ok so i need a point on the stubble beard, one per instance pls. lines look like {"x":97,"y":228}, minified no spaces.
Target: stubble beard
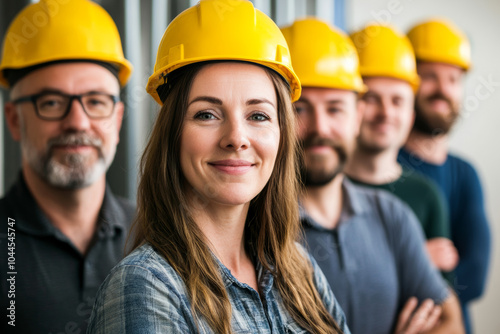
{"x":319,"y":175}
{"x":432,"y":123}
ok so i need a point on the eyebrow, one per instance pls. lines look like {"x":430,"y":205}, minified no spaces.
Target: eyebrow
{"x":217,"y":101}
{"x":334,"y":102}
{"x":329,"y":102}
{"x":371,"y":93}
{"x":51,"y":91}
{"x":209,"y":99}
{"x":303,"y":100}
{"x":259,"y":101}
{"x":58,"y":91}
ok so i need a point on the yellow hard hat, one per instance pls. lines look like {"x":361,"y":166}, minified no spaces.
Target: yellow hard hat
{"x":323,"y":56}
{"x":50,"y":31}
{"x":222,"y":30}
{"x":440,"y":41}
{"x":385,"y":52}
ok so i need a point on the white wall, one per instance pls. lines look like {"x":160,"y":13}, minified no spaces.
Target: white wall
{"x":477,"y":133}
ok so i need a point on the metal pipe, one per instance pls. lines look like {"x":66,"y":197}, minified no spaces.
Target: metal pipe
{"x":133,"y":90}
{"x":325,"y":10}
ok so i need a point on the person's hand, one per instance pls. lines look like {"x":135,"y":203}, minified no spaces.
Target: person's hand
{"x":413,"y":320}
{"x":443,"y":253}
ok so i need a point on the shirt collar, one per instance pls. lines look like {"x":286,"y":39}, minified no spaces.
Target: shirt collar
{"x":353,"y":205}
{"x":111,"y":216}
{"x":265,"y":278}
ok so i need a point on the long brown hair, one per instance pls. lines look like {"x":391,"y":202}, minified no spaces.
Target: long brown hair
{"x":272,"y":224}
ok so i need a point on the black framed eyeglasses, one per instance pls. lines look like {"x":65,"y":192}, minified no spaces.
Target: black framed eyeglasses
{"x":54,"y":106}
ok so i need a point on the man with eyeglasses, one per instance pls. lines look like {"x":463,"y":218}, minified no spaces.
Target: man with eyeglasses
{"x":64,"y":228}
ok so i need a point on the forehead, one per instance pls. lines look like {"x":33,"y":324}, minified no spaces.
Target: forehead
{"x":434,"y":67}
{"x":316,"y":95}
{"x":70,"y":78}
{"x":387,"y":86}
{"x":231,"y":80}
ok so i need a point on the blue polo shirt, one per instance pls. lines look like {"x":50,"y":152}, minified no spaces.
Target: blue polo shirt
{"x":374,"y":259}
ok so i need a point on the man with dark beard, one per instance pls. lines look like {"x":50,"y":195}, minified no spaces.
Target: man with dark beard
{"x":388,"y":68}
{"x":65,"y":228}
{"x":443,"y":57}
{"x":367,"y":242}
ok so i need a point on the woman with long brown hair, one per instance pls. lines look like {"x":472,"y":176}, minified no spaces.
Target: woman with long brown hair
{"x":215,"y":237}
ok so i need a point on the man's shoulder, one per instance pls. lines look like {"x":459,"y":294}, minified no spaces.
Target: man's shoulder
{"x":380,"y":205}
{"x":16,"y":200}
{"x":126,"y":205}
{"x":461,"y":165}
{"x":118,"y":209}
{"x":3,"y":203}
{"x":385,"y":212}
{"x":376,"y":198}
{"x":6,"y":211}
{"x":418,"y":184}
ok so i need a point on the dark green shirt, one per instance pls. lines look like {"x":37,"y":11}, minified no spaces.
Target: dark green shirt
{"x":425,"y":199}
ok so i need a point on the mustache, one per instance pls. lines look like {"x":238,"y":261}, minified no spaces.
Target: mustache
{"x":75,"y":138}
{"x":318,"y":141}
{"x":439,"y":96}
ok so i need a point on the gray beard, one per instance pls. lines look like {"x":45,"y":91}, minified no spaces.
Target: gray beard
{"x":74,"y":172}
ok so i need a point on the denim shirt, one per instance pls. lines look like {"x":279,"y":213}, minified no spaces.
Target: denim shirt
{"x":144,"y":294}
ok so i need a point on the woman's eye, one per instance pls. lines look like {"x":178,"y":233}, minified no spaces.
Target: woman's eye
{"x":204,"y":116}
{"x":259,"y":117}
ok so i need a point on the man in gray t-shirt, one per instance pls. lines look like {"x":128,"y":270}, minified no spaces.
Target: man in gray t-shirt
{"x":373,"y":261}
{"x":368,"y":243}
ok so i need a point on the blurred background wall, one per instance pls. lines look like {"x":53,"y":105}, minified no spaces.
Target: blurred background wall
{"x":142,"y":22}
